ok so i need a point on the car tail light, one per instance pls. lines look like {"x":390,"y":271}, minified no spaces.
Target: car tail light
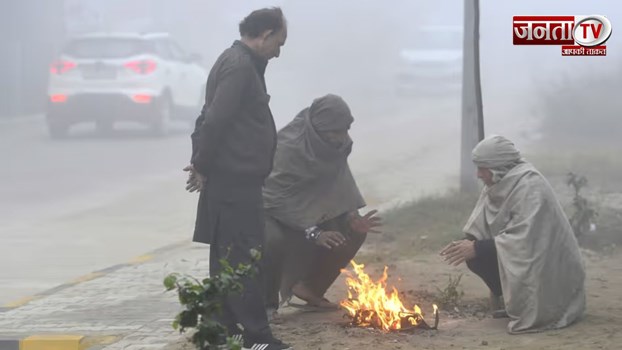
{"x":140,"y":98}
{"x":142,"y":66}
{"x":58,"y":98}
{"x":61,"y":67}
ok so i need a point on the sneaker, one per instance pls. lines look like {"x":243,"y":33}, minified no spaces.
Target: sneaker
{"x":274,"y":344}
{"x":222,"y":345}
{"x":238,"y":337}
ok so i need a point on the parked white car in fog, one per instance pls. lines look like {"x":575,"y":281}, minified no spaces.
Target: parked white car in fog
{"x":109,"y":77}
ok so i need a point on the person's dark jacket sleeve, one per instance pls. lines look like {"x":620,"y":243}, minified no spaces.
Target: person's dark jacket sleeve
{"x":215,"y":117}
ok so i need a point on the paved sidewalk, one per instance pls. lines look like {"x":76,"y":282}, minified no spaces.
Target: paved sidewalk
{"x":121,"y":308}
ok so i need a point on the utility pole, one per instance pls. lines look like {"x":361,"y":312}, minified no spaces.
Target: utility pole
{"x":472,"y":111}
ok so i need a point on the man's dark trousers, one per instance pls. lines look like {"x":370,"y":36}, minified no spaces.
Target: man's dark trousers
{"x":486,"y":266}
{"x":235,"y":212}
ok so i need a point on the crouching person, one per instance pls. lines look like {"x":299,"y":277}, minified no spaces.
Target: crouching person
{"x":519,"y":241}
{"x":313,"y":228}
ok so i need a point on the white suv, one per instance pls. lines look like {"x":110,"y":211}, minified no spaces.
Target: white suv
{"x":108,"y":77}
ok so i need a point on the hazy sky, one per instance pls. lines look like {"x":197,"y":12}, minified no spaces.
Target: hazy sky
{"x":353,"y":36}
{"x":350,"y":47}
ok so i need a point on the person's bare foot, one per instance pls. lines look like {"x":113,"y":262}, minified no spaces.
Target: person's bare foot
{"x":302,"y":292}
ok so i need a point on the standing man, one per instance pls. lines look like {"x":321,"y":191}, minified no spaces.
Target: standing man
{"x":233,"y":147}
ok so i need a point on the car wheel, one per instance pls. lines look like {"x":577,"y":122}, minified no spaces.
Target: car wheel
{"x":161,"y":126}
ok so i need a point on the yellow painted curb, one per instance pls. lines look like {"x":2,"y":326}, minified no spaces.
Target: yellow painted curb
{"x":87,"y":277}
{"x":51,"y":342}
{"x":20,"y":302}
{"x":141,"y":259}
{"x":93,"y":275}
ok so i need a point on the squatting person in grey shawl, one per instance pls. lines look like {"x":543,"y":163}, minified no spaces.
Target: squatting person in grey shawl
{"x":519,"y":241}
{"x":313,"y":228}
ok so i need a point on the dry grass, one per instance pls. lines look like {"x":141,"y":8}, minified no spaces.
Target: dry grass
{"x":420,"y":226}
{"x":427,"y":224}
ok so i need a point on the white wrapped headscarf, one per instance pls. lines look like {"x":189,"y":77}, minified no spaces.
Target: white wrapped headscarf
{"x":498,"y":154}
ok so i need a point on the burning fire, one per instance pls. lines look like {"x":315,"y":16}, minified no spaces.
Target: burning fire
{"x":369,"y":304}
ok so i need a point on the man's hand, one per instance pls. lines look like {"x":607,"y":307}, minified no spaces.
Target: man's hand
{"x":195,"y":180}
{"x":366,"y":223}
{"x":457,"y":252}
{"x":330,"y":239}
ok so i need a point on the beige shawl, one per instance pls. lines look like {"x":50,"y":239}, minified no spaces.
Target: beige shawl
{"x":540,"y":265}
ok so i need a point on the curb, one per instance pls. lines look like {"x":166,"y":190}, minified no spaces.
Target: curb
{"x":56,"y":342}
{"x":88,"y":277}
{"x":73,"y":341}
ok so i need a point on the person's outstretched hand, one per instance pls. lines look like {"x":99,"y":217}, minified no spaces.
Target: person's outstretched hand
{"x":366,"y":223}
{"x":457,"y":252}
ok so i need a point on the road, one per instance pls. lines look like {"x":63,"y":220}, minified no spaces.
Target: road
{"x":73,"y":206}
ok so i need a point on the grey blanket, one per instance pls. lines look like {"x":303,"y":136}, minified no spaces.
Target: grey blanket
{"x":311,"y":181}
{"x":540,"y":265}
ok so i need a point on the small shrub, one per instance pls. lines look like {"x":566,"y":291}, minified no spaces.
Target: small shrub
{"x":203,"y":301}
{"x":584,"y":213}
{"x":451,"y":295}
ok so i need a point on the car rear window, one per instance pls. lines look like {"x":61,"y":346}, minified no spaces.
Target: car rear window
{"x":108,"y":48}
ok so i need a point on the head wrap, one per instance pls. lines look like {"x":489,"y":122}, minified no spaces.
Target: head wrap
{"x":330,"y":113}
{"x":498,"y":154}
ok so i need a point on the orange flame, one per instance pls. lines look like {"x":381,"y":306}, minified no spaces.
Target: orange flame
{"x":370,"y":304}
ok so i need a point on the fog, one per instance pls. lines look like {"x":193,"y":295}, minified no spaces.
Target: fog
{"x":72,"y":206}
